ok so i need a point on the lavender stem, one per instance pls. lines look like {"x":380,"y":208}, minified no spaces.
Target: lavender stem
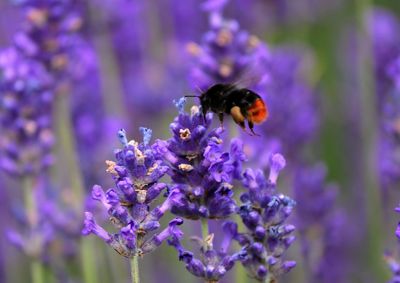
{"x":66,"y":151}
{"x":135,"y":269}
{"x":37,"y":270}
{"x":369,"y":137}
{"x":204,"y":228}
{"x":111,"y":88}
{"x":204,"y":234}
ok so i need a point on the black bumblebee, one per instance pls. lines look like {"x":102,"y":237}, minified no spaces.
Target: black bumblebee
{"x":241,"y":103}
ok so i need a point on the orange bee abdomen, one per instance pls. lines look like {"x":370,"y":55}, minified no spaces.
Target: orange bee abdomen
{"x":258,"y":112}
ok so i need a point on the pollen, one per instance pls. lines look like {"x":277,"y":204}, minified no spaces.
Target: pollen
{"x":30,"y":128}
{"x":46,"y":136}
{"x":225,"y":69}
{"x":76,"y":24}
{"x":59,"y":62}
{"x":141,"y":196}
{"x":111,"y":167}
{"x":133,"y":143}
{"x":139,"y":156}
{"x":37,"y":16}
{"x":208,"y":241}
{"x":151,"y":169}
{"x":193,"y":49}
{"x":224,"y":37}
{"x":217,"y":140}
{"x":396,"y":125}
{"x":227,"y":185}
{"x":184,"y":134}
{"x":194,"y":110}
{"x":185,"y":167}
{"x":253,"y":42}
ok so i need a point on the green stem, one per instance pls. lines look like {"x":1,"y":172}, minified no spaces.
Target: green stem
{"x":37,"y":271}
{"x":369,"y":128}
{"x":204,"y":233}
{"x":111,"y":86}
{"x":86,"y":252}
{"x":135,"y":269}
{"x":70,"y":174}
{"x":204,"y":228}
{"x":29,"y":187}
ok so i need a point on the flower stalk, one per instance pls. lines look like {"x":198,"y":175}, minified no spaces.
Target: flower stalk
{"x":204,"y":228}
{"x":37,"y":269}
{"x":135,"y":269}
{"x":66,"y":151}
{"x":369,"y":137}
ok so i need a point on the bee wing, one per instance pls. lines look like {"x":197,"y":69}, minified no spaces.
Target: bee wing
{"x":254,"y":74}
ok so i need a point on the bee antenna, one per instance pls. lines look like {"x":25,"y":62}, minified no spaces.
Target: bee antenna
{"x":192,"y":96}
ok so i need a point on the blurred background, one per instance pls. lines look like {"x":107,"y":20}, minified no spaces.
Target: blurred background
{"x":329,"y":71}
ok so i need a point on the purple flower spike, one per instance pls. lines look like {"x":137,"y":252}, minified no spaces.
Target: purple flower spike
{"x":392,"y":261}
{"x":91,"y":227}
{"x":264,"y":214}
{"x":277,"y":163}
{"x":201,"y":170}
{"x":26,"y":98}
{"x":136,"y":173}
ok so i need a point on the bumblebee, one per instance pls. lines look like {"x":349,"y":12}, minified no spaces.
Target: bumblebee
{"x":241,"y":103}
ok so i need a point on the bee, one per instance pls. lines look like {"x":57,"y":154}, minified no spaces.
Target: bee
{"x":241,"y":103}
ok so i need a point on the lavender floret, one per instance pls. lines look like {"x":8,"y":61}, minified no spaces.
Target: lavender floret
{"x":264,"y":212}
{"x":25,"y":114}
{"x":199,"y":167}
{"x":136,"y":173}
{"x":213,"y":264}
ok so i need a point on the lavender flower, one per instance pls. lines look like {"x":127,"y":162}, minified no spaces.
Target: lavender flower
{"x":264,"y":213}
{"x":25,"y":114}
{"x":386,"y":44}
{"x":35,"y":242}
{"x":227,"y":53}
{"x":292,"y":104}
{"x":199,"y":167}
{"x":136,"y":174}
{"x":51,"y":33}
{"x":214,"y":264}
{"x":315,"y":200}
{"x":391,"y":259}
{"x":318,"y":216}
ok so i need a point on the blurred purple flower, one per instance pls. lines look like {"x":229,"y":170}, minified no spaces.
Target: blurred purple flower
{"x":51,"y":33}
{"x":386,"y":43}
{"x":321,"y":223}
{"x":25,"y":114}
{"x":227,"y":54}
{"x":391,"y":259}
{"x":53,"y":224}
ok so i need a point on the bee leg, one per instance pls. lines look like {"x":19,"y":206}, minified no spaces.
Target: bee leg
{"x":221,"y":119}
{"x":238,"y":117}
{"x":204,"y":110}
{"x":251,"y":127}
